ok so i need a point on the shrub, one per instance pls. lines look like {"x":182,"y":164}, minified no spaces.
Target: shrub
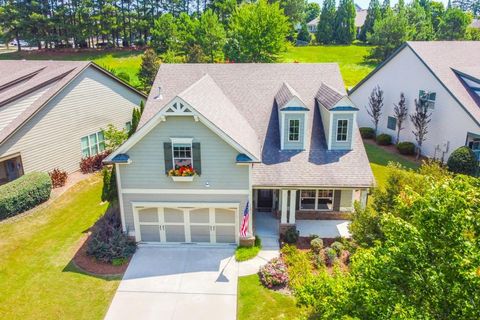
{"x":331,"y":256}
{"x":124,"y":76}
{"x":367,"y":133}
{"x":107,"y":242}
{"x":463,"y":161}
{"x":338,"y":247}
{"x":109,"y":191}
{"x":384,"y":139}
{"x":291,"y":235}
{"x":316,"y":244}
{"x":58,"y":177}
{"x":24,"y":193}
{"x":274,"y":274}
{"x":406,"y":148}
{"x":93,"y":163}
{"x":319,"y":259}
{"x":299,"y":265}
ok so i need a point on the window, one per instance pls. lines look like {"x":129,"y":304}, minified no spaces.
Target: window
{"x":92,"y":144}
{"x":294,"y":130}
{"x":342,"y":130}
{"x":182,"y":155}
{"x":319,"y":200}
{"x":128,"y":126}
{"x":392,"y":123}
{"x":430,"y":96}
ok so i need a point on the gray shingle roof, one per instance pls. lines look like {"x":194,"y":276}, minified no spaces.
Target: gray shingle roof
{"x":251,"y":89}
{"x":444,"y":57}
{"x":285,"y":94}
{"x":327,"y":96}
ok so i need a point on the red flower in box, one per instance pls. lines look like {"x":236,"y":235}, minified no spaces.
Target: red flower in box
{"x":184,"y":171}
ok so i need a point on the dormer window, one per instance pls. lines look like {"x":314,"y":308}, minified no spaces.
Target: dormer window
{"x":294,"y":130}
{"x":342,"y":130}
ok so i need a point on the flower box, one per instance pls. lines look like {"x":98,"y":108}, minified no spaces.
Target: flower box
{"x":182,"y":179}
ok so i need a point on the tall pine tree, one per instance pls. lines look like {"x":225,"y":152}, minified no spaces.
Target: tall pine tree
{"x":326,"y":25}
{"x":345,"y":22}
{"x":374,"y":13}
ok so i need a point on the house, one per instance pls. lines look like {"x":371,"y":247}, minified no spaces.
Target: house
{"x":312,"y":25}
{"x":52,"y":114}
{"x":450,"y":72}
{"x":276,"y":138}
{"x":360,"y":16}
{"x":475,"y":24}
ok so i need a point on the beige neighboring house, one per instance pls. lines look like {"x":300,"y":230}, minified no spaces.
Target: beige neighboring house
{"x":475,"y":24}
{"x":52,"y":114}
{"x":361,"y":15}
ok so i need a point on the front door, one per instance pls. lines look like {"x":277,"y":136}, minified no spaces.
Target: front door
{"x":265,"y":198}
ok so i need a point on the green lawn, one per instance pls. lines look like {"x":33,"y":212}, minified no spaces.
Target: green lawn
{"x":350,"y":58}
{"x":379,"y":160}
{"x":257,"y":302}
{"x":127,"y":61}
{"x":37,"y":279}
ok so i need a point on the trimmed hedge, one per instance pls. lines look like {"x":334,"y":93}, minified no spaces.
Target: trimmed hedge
{"x":24,"y":193}
{"x":367,"y":132}
{"x":406,"y":148}
{"x":462,"y":161}
{"x":384,"y":139}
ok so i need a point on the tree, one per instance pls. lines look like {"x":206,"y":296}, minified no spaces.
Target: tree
{"x":326,"y":25}
{"x":293,"y":9}
{"x":148,"y":69}
{"x":420,"y":119}
{"x":463,"y":161}
{"x":312,"y":11}
{"x":303,"y":34}
{"x":114,"y":137}
{"x":386,"y":7}
{"x":165,"y":34}
{"x":401,"y":112}
{"x":454,"y":25}
{"x":437,"y":10}
{"x":374,"y":13}
{"x":345,"y":30}
{"x":375,"y":104}
{"x":257,"y":32}
{"x":136,"y":116}
{"x":223,"y":9}
{"x":211,"y":36}
{"x":419,"y":23}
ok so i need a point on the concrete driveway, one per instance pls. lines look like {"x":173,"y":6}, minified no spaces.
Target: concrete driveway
{"x":182,"y":282}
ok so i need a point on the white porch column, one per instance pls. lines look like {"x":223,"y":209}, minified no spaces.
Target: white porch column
{"x":363,"y":198}
{"x":250,"y":201}
{"x":293,"y":202}
{"x":284,"y":201}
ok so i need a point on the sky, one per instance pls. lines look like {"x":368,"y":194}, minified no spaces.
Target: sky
{"x":364,"y":3}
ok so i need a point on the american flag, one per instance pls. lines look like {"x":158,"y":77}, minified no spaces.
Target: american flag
{"x":244,"y":227}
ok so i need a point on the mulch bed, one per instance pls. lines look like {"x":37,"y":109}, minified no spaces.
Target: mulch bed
{"x":303,"y":243}
{"x":93,"y":266}
{"x":393,"y":149}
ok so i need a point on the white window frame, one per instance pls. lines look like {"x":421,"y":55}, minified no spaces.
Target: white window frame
{"x":346,"y":133}
{"x":183,"y":141}
{"x":290,"y":126}
{"x":316,"y":199}
{"x":91,"y":146}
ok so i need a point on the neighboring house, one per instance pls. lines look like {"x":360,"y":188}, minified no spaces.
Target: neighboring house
{"x":361,"y":15}
{"x":475,"y":24}
{"x":450,"y":72}
{"x":52,"y":114}
{"x":281,"y":137}
{"x":312,"y":25}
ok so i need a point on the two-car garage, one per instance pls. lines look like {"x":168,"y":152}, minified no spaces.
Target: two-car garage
{"x":186,"y":223}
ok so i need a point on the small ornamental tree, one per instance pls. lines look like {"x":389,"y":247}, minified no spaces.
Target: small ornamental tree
{"x":401,"y":112}
{"x":148,"y":69}
{"x":463,"y":161}
{"x":136,"y":115}
{"x":375,"y":104}
{"x":420,"y":119}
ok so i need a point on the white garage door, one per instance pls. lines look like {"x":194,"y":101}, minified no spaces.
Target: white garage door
{"x":186,"y":225}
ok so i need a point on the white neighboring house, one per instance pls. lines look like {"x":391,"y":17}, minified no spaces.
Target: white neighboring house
{"x":450,"y":71}
{"x":52,"y":114}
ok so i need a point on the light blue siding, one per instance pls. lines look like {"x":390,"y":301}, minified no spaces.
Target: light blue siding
{"x":294,"y":145}
{"x":219,"y":168}
{"x":342,"y":145}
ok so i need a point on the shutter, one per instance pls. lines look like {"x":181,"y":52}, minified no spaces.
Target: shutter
{"x":197,"y":158}
{"x":167,"y":154}
{"x":337,"y":194}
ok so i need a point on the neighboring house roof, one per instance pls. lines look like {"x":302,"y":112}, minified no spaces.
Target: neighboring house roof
{"x":475,"y":23}
{"x":360,"y":17}
{"x":444,"y":59}
{"x":314,"y":22}
{"x":26,"y":86}
{"x":328,"y":97}
{"x":251,"y":90}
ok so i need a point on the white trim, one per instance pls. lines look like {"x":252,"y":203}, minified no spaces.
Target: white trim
{"x":329,"y":143}
{"x":282,"y":133}
{"x":181,"y":140}
{"x":10,"y":156}
{"x":288,"y":131}
{"x":155,"y":120}
{"x":120,"y":197}
{"x":182,"y":178}
{"x":293,"y":204}
{"x":186,"y":191}
{"x":284,"y":206}
{"x":250,"y":200}
{"x":316,"y":199}
{"x":176,"y":204}
{"x":336,"y":133}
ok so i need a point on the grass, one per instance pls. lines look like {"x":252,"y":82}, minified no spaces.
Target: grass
{"x":247,"y":253}
{"x":37,"y":278}
{"x":127,"y":61}
{"x":379,"y":159}
{"x":257,"y":302}
{"x":350,"y":58}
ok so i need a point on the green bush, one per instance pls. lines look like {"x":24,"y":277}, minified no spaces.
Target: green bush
{"x":384,"y":139}
{"x":367,"y":133}
{"x":406,"y":148}
{"x":338,"y":247}
{"x":124,"y":76}
{"x":291,"y":235}
{"x":316,"y":244}
{"x":332,"y":256}
{"x":24,"y":193}
{"x":463,"y":161}
{"x":299,"y":265}
{"x":319,"y":259}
